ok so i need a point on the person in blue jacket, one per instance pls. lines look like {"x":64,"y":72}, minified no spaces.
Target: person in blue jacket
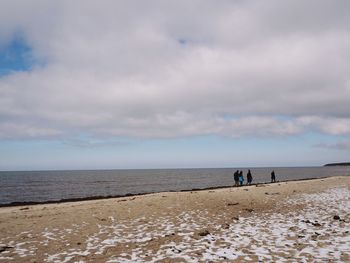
{"x":241,"y":178}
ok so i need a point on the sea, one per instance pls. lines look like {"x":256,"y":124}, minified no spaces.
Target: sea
{"x":17,"y":187}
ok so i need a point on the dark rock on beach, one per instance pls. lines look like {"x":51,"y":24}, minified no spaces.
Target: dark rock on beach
{"x":225,"y":226}
{"x":204,"y":233}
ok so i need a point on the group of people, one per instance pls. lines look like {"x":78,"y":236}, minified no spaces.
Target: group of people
{"x":239,"y":179}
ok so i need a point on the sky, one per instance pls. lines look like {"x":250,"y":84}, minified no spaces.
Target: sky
{"x":173,"y":84}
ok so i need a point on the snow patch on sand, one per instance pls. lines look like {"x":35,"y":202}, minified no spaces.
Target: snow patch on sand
{"x":314,"y":228}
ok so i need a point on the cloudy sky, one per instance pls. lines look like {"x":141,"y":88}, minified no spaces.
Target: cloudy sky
{"x":154,"y":84}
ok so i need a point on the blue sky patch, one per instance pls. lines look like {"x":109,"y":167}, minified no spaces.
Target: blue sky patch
{"x":182,"y":41}
{"x":15,"y":56}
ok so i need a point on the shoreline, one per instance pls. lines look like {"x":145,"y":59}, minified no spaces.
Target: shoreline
{"x":92,"y":198}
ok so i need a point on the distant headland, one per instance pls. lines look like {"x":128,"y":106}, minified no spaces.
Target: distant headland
{"x":337,"y":164}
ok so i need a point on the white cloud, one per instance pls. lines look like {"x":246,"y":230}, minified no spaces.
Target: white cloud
{"x":342,"y":145}
{"x":328,"y":125}
{"x":119,"y":68}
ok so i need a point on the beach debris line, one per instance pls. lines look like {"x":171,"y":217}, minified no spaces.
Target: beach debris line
{"x":4,"y":248}
{"x":232,"y":204}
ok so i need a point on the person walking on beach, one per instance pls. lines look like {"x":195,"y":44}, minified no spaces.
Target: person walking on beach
{"x":273,"y":177}
{"x":236,"y":178}
{"x":241,"y":178}
{"x":249,"y":178}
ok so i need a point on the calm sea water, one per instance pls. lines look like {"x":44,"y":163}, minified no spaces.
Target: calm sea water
{"x":41,"y":186}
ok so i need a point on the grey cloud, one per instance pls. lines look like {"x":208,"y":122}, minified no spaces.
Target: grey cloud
{"x":118,"y":68}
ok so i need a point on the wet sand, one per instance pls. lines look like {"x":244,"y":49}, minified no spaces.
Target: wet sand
{"x":299,"y":221}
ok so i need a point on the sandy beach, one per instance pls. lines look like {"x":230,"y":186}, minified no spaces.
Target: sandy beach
{"x":297,"y":221}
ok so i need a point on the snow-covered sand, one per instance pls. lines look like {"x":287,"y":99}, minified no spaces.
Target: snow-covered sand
{"x":305,"y":221}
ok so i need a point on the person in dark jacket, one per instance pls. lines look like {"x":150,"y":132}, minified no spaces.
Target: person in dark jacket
{"x":273,"y":177}
{"x":249,"y":178}
{"x":236,"y":178}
